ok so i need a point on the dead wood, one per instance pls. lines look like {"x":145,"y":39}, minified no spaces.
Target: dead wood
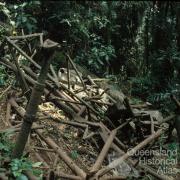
{"x":153,"y":172}
{"x":54,"y":74}
{"x":5,"y":91}
{"x":63,"y":155}
{"x":44,"y":149}
{"x":103,"y":152}
{"x":48,"y":49}
{"x":73,"y":65}
{"x":8,"y":114}
{"x":54,"y":146}
{"x":85,"y":114}
{"x":26,"y":36}
{"x":40,"y":159}
{"x":113,"y":178}
{"x":106,"y":131}
{"x":67,"y":176}
{"x":24,"y":83}
{"x":118,"y":161}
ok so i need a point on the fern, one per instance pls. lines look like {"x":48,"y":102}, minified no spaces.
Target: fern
{"x":158,"y":97}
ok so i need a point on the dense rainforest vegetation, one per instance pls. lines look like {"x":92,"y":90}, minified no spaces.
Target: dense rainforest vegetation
{"x":132,"y":44}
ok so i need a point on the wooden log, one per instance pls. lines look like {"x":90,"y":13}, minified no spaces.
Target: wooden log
{"x":17,"y":129}
{"x":30,"y":175}
{"x":67,"y":176}
{"x":54,"y":73}
{"x":25,"y":36}
{"x":152,"y":124}
{"x":106,"y":131}
{"x":86,"y":104}
{"x":153,"y":172}
{"x":124,"y":124}
{"x":3,"y":176}
{"x":25,"y":87}
{"x":133,"y":162}
{"x":8,"y":114}
{"x":113,"y":178}
{"x":53,"y":145}
{"x":103,"y":152}
{"x":69,"y":91}
{"x":82,"y":110}
{"x":63,"y":155}
{"x":56,"y":158}
{"x":129,"y":153}
{"x":68,"y":74}
{"x":5,"y":91}
{"x":47,"y":51}
{"x":101,"y":103}
{"x":73,"y":65}
{"x":43,"y":149}
{"x":73,"y":123}
{"x":23,"y":53}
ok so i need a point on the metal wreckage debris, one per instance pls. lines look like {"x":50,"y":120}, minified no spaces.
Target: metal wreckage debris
{"x":79,"y":128}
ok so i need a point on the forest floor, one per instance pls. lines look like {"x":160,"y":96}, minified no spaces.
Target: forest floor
{"x":70,"y":139}
{"x":85,"y":131}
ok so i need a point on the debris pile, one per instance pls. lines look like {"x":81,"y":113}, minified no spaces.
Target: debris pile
{"x":82,"y":131}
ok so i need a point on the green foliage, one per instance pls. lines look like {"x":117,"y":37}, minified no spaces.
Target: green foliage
{"x":98,"y":58}
{"x":17,"y":167}
{"x":85,"y":32}
{"x":6,"y":23}
{"x":3,"y":76}
{"x":5,"y":145}
{"x":22,"y":15}
{"x":165,"y":66}
{"x":74,"y":154}
{"x":142,"y":86}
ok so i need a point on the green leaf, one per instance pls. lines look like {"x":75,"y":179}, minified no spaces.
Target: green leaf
{"x":37,"y":172}
{"x":15,"y":6}
{"x":24,"y":19}
{"x":102,"y":54}
{"x":74,"y":154}
{"x":22,"y":177}
{"x":37,"y":164}
{"x":17,"y":173}
{"x":100,"y":62}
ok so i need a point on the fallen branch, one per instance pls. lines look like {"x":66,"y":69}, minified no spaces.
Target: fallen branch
{"x":77,"y":72}
{"x":67,"y":176}
{"x":153,"y":172}
{"x":63,"y":155}
{"x":8,"y":114}
{"x":25,"y":36}
{"x":53,"y":145}
{"x":118,"y":161}
{"x":5,"y":91}
{"x":104,"y":152}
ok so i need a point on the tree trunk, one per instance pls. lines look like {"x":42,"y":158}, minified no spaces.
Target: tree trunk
{"x":48,"y":49}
